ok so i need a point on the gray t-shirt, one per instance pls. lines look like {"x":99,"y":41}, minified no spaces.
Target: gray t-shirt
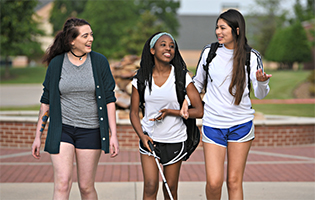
{"x":77,"y":94}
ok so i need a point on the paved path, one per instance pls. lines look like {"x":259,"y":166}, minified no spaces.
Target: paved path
{"x":271,"y":173}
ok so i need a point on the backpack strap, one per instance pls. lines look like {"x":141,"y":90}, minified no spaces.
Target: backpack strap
{"x":211,"y":55}
{"x":247,"y":63}
{"x":180,"y":83}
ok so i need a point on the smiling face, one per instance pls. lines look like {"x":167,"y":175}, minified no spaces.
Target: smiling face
{"x":164,"y":49}
{"x":83,"y":43}
{"x":224,"y":34}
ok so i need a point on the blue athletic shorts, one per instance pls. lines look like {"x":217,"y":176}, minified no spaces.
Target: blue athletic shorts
{"x":81,"y":138}
{"x":221,"y":136}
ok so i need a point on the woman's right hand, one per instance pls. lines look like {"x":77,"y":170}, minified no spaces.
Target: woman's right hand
{"x":184,"y":111}
{"x":145,"y":139}
{"x":36,"y":148}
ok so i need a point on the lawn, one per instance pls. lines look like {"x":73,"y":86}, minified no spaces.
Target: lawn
{"x":282,"y":85}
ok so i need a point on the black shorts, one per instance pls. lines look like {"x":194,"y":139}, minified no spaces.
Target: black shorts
{"x":167,"y":153}
{"x":81,"y":138}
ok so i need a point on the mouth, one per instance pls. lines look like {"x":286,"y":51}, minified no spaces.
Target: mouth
{"x":88,"y":45}
{"x":168,"y":55}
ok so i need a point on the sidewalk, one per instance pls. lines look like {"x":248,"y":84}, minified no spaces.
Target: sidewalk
{"x":271,"y":173}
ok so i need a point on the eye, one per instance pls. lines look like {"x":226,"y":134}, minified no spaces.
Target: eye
{"x":163,"y":45}
{"x":172,"y":46}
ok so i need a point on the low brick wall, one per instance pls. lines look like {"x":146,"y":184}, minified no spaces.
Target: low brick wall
{"x":18,"y":134}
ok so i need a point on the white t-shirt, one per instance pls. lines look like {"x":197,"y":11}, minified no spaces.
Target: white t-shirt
{"x":219,"y":108}
{"x":172,"y":129}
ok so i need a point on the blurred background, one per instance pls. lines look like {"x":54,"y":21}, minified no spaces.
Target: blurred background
{"x":283,"y":31}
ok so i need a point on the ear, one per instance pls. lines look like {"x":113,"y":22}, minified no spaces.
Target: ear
{"x":238,"y":31}
{"x":152,"y":51}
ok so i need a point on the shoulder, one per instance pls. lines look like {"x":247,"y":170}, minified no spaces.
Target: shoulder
{"x":255,"y":53}
{"x":58,"y":58}
{"x":97,"y":56}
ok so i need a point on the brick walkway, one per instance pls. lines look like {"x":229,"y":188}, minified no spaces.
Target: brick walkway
{"x":281,"y":164}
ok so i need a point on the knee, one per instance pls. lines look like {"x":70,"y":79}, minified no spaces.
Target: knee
{"x":86,"y":189}
{"x":234,"y":183}
{"x":63,"y":185}
{"x":214,"y":185}
{"x":150,"y":188}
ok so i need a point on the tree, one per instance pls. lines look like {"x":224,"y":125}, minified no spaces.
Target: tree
{"x":304,"y":14}
{"x":113,"y":21}
{"x":136,"y":36}
{"x":18,"y":30}
{"x":110,"y":21}
{"x":164,"y":10}
{"x":62,"y":10}
{"x":265,"y":19}
{"x":289,"y":45}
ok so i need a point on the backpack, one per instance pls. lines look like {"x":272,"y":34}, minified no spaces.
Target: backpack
{"x":193,"y":132}
{"x":212,"y":53}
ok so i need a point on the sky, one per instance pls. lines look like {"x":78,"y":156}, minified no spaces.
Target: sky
{"x":214,"y":7}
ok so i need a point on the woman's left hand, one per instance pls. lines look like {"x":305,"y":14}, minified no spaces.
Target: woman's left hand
{"x":262,"y":76}
{"x":114,"y":146}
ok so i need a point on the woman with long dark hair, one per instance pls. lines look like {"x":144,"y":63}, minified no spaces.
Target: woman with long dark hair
{"x":162,"y":123}
{"x":228,"y":127}
{"x":78,"y":97}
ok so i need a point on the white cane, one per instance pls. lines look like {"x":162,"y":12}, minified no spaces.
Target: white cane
{"x":161,"y":172}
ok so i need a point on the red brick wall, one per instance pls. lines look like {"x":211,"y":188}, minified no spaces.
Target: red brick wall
{"x":21,"y":135}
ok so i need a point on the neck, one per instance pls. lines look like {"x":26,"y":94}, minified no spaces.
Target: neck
{"x":80,"y":57}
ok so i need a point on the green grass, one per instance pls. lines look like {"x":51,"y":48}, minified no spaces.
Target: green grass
{"x":24,"y":75}
{"x":299,"y":110}
{"x":282,"y":84}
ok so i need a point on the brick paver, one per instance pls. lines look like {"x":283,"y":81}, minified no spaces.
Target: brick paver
{"x":264,"y":164}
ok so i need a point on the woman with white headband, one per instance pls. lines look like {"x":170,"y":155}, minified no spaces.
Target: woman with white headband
{"x":162,"y":123}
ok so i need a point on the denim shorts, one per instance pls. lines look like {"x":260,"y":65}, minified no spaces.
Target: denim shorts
{"x":81,"y":138}
{"x":221,"y":136}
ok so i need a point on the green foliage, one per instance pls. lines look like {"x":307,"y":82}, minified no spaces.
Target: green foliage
{"x":289,"y":45}
{"x":164,"y":10}
{"x":62,"y":10}
{"x":114,"y":21}
{"x":18,"y":28}
{"x":136,"y":36}
{"x":304,"y":13}
{"x":265,"y":23}
{"x":110,"y":21}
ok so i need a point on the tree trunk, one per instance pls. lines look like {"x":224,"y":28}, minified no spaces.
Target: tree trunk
{"x":7,"y":68}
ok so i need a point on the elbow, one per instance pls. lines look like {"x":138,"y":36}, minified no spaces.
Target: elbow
{"x":200,"y":113}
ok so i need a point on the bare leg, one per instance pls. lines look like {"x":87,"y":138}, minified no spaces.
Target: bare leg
{"x":87,"y":160}
{"x":237,"y":155}
{"x":171,"y":173}
{"x":63,"y":169}
{"x":150,"y":176}
{"x":214,"y":160}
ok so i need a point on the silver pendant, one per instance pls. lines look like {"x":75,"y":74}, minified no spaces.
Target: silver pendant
{"x":80,"y":58}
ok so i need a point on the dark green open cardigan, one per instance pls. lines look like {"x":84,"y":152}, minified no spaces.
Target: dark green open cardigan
{"x":104,"y":91}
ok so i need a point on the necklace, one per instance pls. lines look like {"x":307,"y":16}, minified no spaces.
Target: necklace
{"x":80,"y":57}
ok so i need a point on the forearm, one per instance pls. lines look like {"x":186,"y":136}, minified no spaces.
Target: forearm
{"x":42,"y":120}
{"x":111,"y":113}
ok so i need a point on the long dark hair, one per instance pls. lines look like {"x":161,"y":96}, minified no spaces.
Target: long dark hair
{"x":147,"y":62}
{"x":236,"y":20}
{"x":64,"y":38}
